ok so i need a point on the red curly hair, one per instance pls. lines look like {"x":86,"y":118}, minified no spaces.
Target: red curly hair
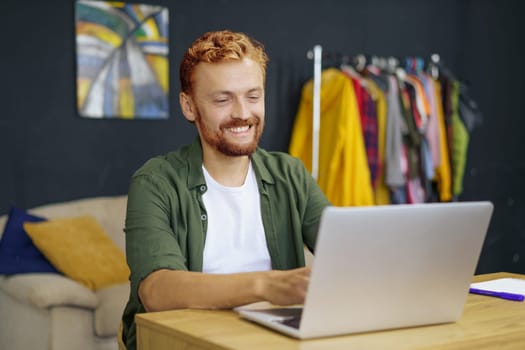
{"x":220,"y":46}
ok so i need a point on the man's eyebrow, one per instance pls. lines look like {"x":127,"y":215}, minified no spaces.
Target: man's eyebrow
{"x":218,"y":93}
{"x":256,"y":90}
{"x":228,"y":92}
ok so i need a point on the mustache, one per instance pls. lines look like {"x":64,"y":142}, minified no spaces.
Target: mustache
{"x":236,"y":123}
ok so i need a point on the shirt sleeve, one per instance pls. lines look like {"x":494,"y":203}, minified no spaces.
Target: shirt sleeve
{"x":150,"y":241}
{"x":316,"y":201}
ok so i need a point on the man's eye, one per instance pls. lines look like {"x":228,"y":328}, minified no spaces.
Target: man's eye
{"x":254,"y":98}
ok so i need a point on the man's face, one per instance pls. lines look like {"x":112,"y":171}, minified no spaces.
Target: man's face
{"x":229,"y":106}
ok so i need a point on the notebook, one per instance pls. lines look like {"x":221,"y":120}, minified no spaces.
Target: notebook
{"x":385,"y":267}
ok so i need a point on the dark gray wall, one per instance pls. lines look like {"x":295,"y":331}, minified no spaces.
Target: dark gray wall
{"x":50,"y":154}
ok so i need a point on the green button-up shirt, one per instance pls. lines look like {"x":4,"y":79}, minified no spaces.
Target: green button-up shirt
{"x":166,"y":219}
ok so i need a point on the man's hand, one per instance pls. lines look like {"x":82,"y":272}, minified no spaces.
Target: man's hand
{"x":285,"y":287}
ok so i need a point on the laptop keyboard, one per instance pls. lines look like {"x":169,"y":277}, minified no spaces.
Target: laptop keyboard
{"x":290,"y":316}
{"x":293,"y":321}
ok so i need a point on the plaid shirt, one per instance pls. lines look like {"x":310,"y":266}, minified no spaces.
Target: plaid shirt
{"x":368,"y":115}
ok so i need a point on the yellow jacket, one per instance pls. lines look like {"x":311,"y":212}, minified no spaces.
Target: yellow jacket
{"x":344,"y":176}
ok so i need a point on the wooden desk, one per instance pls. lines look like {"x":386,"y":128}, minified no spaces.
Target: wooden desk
{"x":487,"y":323}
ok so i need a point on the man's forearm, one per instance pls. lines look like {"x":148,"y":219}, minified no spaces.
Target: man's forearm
{"x":169,"y":289}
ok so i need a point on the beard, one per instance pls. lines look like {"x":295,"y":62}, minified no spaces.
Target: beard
{"x":218,"y":140}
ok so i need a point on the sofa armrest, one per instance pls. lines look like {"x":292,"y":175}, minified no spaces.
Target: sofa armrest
{"x":48,"y":289}
{"x":112,"y":301}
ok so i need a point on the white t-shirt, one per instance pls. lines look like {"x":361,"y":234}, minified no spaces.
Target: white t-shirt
{"x":235,"y":239}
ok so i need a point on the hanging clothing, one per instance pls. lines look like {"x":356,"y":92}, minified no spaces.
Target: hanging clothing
{"x":381,"y":190}
{"x":368,"y":116}
{"x":344,"y":176}
{"x":396,"y":127}
{"x":412,"y":139}
{"x":420,"y":102}
{"x":432,"y":131}
{"x":421,"y":108}
{"x":459,"y":143}
{"x":443,"y":173}
{"x":448,"y":109}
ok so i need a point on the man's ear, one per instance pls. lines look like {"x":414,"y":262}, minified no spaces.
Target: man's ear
{"x":187,"y":107}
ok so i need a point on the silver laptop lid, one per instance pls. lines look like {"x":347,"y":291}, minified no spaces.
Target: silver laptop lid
{"x":393,"y":266}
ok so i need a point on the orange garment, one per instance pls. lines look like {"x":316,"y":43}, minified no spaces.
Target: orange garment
{"x":343,"y":176}
{"x":443,"y":174}
{"x":422,"y":103}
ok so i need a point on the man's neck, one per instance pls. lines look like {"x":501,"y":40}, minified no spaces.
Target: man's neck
{"x":226,"y":170}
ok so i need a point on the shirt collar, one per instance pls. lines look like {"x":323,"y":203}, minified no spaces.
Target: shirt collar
{"x":260,"y":167}
{"x":196,"y":177}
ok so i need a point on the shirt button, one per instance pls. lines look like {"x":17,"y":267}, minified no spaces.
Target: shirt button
{"x":203,"y":217}
{"x":203,"y":188}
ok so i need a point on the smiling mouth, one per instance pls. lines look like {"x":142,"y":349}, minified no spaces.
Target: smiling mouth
{"x":239,"y":129}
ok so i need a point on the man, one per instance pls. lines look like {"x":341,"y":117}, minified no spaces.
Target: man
{"x":220,"y":223}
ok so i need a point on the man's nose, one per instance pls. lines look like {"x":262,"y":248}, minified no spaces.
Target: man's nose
{"x":240,"y":110}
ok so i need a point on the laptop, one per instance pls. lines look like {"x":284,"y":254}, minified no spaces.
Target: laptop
{"x":385,"y":267}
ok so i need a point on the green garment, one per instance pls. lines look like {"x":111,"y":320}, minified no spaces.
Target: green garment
{"x":460,"y":142}
{"x":166,"y":219}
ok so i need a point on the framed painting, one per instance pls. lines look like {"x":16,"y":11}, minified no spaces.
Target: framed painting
{"x":122,"y":60}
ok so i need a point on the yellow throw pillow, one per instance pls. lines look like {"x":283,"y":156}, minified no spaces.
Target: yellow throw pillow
{"x":81,"y":250}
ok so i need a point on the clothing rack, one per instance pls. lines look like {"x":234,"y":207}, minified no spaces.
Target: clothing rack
{"x":317,"y":55}
{"x":415,"y":118}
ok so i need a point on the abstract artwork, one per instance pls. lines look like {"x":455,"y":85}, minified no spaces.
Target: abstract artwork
{"x":122,"y":60}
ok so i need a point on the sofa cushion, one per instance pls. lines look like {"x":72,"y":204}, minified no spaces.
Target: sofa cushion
{"x":111,"y":303}
{"x":18,"y":254}
{"x":110,"y":213}
{"x":48,"y":289}
{"x":81,"y":249}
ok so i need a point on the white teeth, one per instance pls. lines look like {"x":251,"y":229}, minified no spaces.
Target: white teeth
{"x":240,"y":129}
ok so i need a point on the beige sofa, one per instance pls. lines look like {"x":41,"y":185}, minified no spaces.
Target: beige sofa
{"x":51,"y":311}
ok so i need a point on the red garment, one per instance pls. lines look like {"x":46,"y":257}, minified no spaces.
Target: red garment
{"x":368,"y":114}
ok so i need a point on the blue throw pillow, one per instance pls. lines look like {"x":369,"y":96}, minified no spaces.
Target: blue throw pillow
{"x":18,"y":254}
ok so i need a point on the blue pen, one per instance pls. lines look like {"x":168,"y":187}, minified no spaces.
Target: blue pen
{"x":502,"y":295}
